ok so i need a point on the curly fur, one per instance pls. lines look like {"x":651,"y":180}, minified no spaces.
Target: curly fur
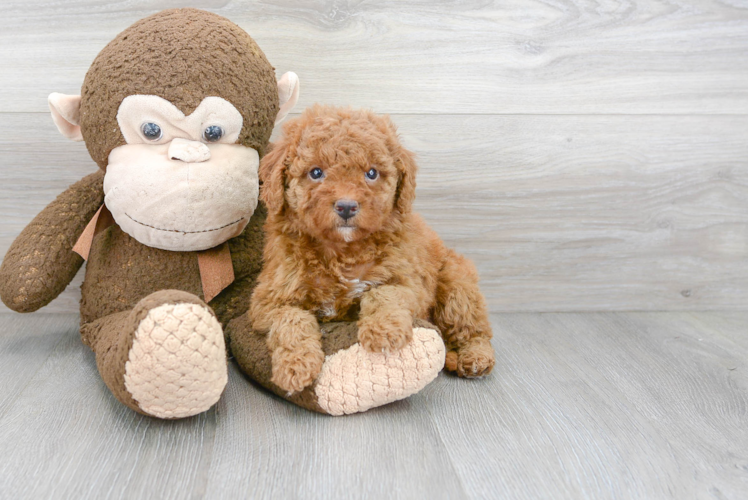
{"x":383,"y":267}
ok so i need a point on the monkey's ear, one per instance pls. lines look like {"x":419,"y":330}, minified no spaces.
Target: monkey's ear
{"x":273,"y":177}
{"x":66,"y":113}
{"x":288,"y":94}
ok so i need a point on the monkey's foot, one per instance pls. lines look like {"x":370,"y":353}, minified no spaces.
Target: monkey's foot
{"x":177,"y":364}
{"x":354,"y":380}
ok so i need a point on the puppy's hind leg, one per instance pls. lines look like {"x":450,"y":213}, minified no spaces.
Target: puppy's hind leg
{"x":461,"y":315}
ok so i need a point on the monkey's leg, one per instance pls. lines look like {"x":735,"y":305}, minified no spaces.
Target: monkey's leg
{"x":461,"y":315}
{"x":352,"y":379}
{"x":164,"y":358}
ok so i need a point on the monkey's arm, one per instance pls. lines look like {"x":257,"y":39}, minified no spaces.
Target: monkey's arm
{"x":41,"y":263}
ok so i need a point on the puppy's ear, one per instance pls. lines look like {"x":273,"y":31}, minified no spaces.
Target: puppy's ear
{"x":406,"y":186}
{"x":273,"y":177}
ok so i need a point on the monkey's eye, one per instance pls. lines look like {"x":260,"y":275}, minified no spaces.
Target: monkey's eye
{"x":213,"y":133}
{"x":372,"y":174}
{"x":151,"y":131}
{"x":316,"y":174}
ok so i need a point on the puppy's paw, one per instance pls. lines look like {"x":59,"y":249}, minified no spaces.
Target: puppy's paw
{"x":294,"y":370}
{"x":474,"y":359}
{"x":387,"y":331}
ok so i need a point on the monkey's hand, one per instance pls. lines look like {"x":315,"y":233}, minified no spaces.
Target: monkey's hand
{"x":41,"y":263}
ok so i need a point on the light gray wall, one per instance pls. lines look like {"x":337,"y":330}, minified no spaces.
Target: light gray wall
{"x":586,"y":155}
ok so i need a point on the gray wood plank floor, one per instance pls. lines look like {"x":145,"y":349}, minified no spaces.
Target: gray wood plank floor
{"x":582,"y":405}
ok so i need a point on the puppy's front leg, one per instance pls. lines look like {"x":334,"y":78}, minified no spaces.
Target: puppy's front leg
{"x":386,"y":318}
{"x":295,"y":342}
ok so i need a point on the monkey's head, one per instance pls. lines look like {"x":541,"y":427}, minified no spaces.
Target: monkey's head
{"x":177,"y":110}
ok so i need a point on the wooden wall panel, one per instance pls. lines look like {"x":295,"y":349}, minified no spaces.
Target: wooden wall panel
{"x":433,"y":57}
{"x":558,"y":212}
{"x":586,"y":155}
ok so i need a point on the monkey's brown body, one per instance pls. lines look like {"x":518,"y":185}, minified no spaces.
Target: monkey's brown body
{"x":121,"y":271}
{"x":177,"y":111}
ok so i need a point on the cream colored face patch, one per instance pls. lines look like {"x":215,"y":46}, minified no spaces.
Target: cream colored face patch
{"x":178,"y":206}
{"x":181,"y":183}
{"x":138,"y":111}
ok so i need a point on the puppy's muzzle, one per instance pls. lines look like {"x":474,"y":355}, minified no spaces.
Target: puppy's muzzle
{"x":346,"y":208}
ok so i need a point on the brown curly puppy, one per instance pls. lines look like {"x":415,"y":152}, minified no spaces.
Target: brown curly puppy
{"x":343,"y":244}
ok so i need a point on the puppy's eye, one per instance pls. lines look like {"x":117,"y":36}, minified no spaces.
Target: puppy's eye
{"x":213,"y":133}
{"x":316,"y":174}
{"x":372,"y":174}
{"x":151,"y":131}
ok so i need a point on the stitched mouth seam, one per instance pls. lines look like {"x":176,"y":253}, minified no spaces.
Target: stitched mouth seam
{"x":185,"y":232}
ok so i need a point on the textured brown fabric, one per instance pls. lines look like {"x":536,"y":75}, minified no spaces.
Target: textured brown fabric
{"x":121,"y":271}
{"x":40,"y":263}
{"x":216,"y":270}
{"x":111,"y":338}
{"x":251,"y":353}
{"x":165,"y":55}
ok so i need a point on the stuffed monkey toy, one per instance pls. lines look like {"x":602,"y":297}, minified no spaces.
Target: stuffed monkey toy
{"x":177,"y":111}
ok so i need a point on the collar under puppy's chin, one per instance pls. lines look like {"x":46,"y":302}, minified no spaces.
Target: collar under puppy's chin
{"x":347,"y":232}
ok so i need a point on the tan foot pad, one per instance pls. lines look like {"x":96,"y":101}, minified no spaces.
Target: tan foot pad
{"x":354,"y":380}
{"x":177,"y":364}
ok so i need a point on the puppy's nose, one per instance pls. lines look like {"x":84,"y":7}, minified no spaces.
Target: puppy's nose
{"x":346,"y":208}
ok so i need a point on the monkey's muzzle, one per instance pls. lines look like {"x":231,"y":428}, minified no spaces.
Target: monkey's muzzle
{"x":201,"y":198}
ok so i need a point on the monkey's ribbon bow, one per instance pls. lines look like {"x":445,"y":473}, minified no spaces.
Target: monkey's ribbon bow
{"x":216,"y":268}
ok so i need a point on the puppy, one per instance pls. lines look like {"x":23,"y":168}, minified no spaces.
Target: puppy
{"x":343,"y":244}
